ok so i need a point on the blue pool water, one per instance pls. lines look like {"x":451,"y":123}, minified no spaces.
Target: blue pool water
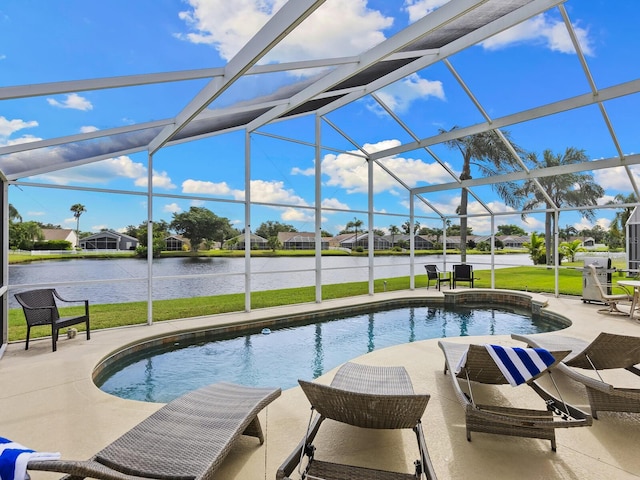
{"x":284,"y":355}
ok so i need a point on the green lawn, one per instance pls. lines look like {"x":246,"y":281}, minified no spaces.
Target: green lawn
{"x":532,"y":279}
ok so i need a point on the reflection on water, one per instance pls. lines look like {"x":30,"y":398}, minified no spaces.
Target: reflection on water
{"x":317,"y":359}
{"x":301,"y":352}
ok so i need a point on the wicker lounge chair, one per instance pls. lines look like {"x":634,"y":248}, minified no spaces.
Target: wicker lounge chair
{"x":368,"y":397}
{"x":39,"y":307}
{"x":505,"y":420}
{"x":606,"y":351}
{"x":188,"y":438}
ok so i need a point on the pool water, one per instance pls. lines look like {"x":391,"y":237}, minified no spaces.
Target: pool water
{"x":284,"y":355}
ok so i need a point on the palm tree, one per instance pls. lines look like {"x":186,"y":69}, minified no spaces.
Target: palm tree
{"x":535,"y":248}
{"x":570,"y":189}
{"x":393,"y":231}
{"x":406,"y":227}
{"x":569,"y":249}
{"x":622,"y":216}
{"x":356,"y":224}
{"x":14,"y":214}
{"x":78,"y":209}
{"x":490,"y":154}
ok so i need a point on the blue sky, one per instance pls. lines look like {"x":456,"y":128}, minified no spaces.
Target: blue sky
{"x":531,"y":64}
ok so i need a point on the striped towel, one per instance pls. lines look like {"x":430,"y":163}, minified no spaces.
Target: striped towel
{"x":519,"y":365}
{"x":14,"y":458}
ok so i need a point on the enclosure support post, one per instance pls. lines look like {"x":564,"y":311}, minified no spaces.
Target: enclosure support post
{"x":150,"y":239}
{"x":412,"y":244}
{"x":247,"y":221}
{"x":318,"y":211}
{"x":556,"y":254}
{"x":370,"y":239}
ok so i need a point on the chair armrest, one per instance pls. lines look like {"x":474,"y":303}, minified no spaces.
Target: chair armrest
{"x":425,"y":460}
{"x":86,"y":302}
{"x":290,"y":463}
{"x":624,"y":288}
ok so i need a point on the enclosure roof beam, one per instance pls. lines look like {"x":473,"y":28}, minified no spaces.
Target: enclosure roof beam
{"x":290,"y":15}
{"x":537,"y":173}
{"x":610,"y":93}
{"x":429,"y":23}
{"x":468,"y":40}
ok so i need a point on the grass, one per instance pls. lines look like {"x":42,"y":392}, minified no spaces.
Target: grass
{"x":532,"y":279}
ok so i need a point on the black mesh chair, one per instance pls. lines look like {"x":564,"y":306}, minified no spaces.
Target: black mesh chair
{"x":463,"y":273}
{"x":40,"y":308}
{"x":434,"y":273}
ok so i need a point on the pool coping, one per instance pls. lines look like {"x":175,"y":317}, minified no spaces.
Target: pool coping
{"x":472,"y":297}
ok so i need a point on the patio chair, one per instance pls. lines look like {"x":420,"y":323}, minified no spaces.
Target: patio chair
{"x":188,"y":438}
{"x":40,"y":308}
{"x":462,"y":273}
{"x":475,"y":363}
{"x":587,"y":360}
{"x":610,"y":300}
{"x":367,"y":397}
{"x":434,"y":273}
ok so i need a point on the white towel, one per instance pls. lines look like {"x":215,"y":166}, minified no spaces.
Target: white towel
{"x":15,"y":457}
{"x":519,"y":365}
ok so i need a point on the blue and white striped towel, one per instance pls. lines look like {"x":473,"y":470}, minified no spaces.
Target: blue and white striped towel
{"x":14,"y":458}
{"x":519,"y":365}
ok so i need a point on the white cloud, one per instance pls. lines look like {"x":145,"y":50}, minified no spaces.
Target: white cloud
{"x":108,"y":170}
{"x":19,"y":140}
{"x":616,"y":178}
{"x":88,"y":129}
{"x":261,"y":191}
{"x":399,"y":95}
{"x":160,"y":180}
{"x":98,"y":228}
{"x":334,"y":203}
{"x":9,"y":127}
{"x":345,"y":26}
{"x":73,"y":101}
{"x":584,"y":224}
{"x":171,"y":208}
{"x":36,"y":214}
{"x":272,"y":192}
{"x":350,"y":171}
{"x":297,"y":215}
{"x":541,"y":30}
{"x":420,"y":8}
{"x":307,"y":172}
{"x":209,"y":188}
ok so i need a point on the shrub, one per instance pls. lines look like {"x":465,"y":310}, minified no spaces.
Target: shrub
{"x":52,"y":245}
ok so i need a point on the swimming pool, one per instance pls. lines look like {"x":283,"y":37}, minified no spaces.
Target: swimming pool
{"x":285,"y":354}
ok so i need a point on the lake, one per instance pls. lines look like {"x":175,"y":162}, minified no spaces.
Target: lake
{"x":124,"y":280}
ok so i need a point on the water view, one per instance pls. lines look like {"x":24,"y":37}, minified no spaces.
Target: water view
{"x":124,"y":280}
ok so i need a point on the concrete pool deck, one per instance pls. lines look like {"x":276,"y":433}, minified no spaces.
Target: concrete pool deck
{"x":50,"y":403}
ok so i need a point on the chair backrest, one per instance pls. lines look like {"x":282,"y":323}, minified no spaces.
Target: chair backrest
{"x":39,"y":306}
{"x":432,"y":271}
{"x":596,"y":281}
{"x":608,"y":350}
{"x":463,"y":272}
{"x":480,"y":367}
{"x":366,"y":410}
